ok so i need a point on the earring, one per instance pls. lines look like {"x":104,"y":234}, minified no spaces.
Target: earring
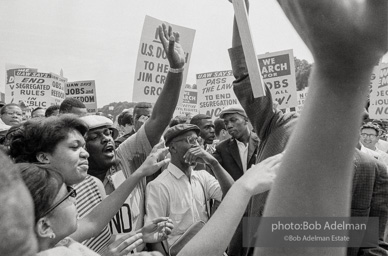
{"x":52,"y":236}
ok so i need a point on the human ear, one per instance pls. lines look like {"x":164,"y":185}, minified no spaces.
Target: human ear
{"x":43,"y":228}
{"x":42,"y":158}
{"x":172,"y":148}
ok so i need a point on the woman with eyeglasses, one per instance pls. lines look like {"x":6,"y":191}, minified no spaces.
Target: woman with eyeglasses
{"x":59,"y":143}
{"x":54,"y":204}
{"x":55,"y":211}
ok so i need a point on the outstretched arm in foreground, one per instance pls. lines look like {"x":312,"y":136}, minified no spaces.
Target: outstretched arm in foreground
{"x":346,"y":42}
{"x":92,"y":224}
{"x":225,"y":220}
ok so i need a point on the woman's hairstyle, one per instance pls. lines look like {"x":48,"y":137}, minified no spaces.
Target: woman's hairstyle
{"x":43,"y":135}
{"x":44,"y":183}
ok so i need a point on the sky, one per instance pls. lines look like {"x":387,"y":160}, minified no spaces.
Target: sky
{"x":99,"y":39}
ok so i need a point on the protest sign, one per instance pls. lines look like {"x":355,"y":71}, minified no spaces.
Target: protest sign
{"x":10,"y":78}
{"x":33,"y":88}
{"x":58,"y":88}
{"x":301,"y":99}
{"x":278,"y":70}
{"x":378,"y":108}
{"x":152,"y":65}
{"x":85,"y":91}
{"x":189,"y":105}
{"x":215,"y":92}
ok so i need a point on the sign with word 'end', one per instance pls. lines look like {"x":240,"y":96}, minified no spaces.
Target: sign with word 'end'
{"x":36,"y":89}
{"x":215,"y":92}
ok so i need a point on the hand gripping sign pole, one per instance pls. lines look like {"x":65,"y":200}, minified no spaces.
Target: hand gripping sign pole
{"x":248,"y":48}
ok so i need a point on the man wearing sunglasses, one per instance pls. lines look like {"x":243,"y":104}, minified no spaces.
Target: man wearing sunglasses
{"x":181,"y":193}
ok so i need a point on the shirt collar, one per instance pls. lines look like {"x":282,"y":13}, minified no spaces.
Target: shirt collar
{"x":249,"y":137}
{"x":176,"y":172}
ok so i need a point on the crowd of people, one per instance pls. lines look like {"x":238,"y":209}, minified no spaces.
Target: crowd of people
{"x":72,"y":183}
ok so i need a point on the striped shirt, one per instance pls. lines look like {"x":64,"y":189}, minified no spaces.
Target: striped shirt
{"x":88,"y":197}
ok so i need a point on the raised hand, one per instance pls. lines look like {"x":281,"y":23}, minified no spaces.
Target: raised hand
{"x":259,"y":178}
{"x":353,"y":32}
{"x":170,"y":42}
{"x":154,"y":161}
{"x":158,"y":230}
{"x":198,"y":155}
{"x":124,"y":245}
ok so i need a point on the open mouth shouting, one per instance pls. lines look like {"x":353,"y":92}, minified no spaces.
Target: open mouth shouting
{"x":109,"y":150}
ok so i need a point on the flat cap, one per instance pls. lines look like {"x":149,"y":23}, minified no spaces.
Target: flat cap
{"x":177,"y":130}
{"x":233,"y":110}
{"x":95,"y":121}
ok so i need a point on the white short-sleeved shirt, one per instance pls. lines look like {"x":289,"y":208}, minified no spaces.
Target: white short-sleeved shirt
{"x":172,"y":195}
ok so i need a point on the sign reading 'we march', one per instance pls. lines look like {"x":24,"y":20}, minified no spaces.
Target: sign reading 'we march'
{"x":152,"y":65}
{"x":278,"y":70}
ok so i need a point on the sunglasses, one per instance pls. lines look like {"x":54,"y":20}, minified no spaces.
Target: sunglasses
{"x":71,"y":193}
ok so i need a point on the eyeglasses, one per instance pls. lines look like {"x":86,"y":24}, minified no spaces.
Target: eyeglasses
{"x":191,"y":140}
{"x":13,"y":113}
{"x":365,"y":135}
{"x":71,"y":193}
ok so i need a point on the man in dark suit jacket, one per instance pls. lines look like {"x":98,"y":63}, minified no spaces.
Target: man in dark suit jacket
{"x":236,"y":155}
{"x":370,"y":198}
{"x":274,"y":128}
{"x":242,"y":142}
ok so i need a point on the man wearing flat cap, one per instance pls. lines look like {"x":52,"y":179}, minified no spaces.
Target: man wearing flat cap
{"x":181,"y":193}
{"x":237,"y":153}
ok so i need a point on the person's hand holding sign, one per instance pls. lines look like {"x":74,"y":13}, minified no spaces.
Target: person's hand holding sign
{"x":174,"y":51}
